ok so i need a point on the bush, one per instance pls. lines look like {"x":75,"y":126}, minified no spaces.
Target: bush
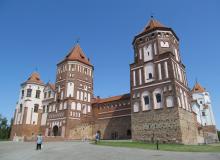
{"x":4,"y":128}
{"x":218,"y":135}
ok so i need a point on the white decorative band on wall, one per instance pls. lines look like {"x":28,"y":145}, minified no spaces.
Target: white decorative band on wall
{"x":151,"y":85}
{"x":181,"y":85}
{"x":136,"y":68}
{"x":161,"y":60}
{"x":116,"y":116}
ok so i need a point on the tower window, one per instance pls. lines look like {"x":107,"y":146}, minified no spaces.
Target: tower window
{"x":49,"y":94}
{"x":203,"y":114}
{"x":44,"y":109}
{"x":150,"y":75}
{"x":45,"y":94}
{"x":29,"y":91}
{"x":158,"y":97}
{"x":36,"y":106}
{"x":37,"y":94}
{"x":22,"y":94}
{"x":146,"y":100}
{"x":20,"y":109}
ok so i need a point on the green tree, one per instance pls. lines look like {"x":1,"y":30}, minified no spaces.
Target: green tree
{"x":4,"y":128}
{"x":218,"y":135}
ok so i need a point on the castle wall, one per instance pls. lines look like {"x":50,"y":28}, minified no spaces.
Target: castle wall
{"x":161,"y":124}
{"x":188,"y":126}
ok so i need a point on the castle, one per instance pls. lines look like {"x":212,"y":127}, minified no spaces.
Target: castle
{"x":158,"y":107}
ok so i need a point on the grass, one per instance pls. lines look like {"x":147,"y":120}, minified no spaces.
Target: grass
{"x":163,"y":147}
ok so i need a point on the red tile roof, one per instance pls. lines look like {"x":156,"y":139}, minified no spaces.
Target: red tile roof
{"x":153,"y":24}
{"x":110,"y":99}
{"x":76,"y":54}
{"x":35,"y":78}
{"x":198,"y":88}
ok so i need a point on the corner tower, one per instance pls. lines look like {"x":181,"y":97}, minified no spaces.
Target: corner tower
{"x":28,"y":112}
{"x":160,"y":96}
{"x":73,"y":94}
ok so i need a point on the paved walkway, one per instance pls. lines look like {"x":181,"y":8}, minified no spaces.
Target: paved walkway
{"x":86,"y":151}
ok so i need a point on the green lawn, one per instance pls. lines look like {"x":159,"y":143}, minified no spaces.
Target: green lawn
{"x":164,"y":147}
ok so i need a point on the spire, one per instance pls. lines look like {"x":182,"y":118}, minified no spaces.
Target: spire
{"x":34,"y":78}
{"x":76,"y":54}
{"x":198,"y":88}
{"x":153,"y":23}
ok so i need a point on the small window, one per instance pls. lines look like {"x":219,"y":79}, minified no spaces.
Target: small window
{"x":47,"y":108}
{"x":146,"y":100}
{"x":158,"y":97}
{"x":44,"y":109}
{"x":29,"y":91}
{"x":200,"y":102}
{"x":37,"y":94}
{"x":203,"y":114}
{"x":45,"y":94}
{"x":22,"y":94}
{"x":150,"y":76}
{"x":36,"y":108}
{"x":20,"y":109}
{"x":49,"y":94}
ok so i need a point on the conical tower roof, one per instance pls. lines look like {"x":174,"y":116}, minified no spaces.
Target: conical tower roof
{"x":153,"y":25}
{"x":198,"y":88}
{"x":35,"y":78}
{"x":77,"y":54}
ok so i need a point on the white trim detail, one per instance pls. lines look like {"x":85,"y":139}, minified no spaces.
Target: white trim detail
{"x":136,"y":68}
{"x":140,"y":77}
{"x":151,"y":85}
{"x":134,"y":79}
{"x":159,"y":71}
{"x":161,"y":60}
{"x":116,"y":116}
{"x":166,"y":69}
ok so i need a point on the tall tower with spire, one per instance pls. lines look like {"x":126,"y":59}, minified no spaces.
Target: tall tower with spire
{"x":73,"y":94}
{"x":160,"y":97}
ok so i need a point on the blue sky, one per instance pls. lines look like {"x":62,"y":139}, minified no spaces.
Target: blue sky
{"x":40,"y":33}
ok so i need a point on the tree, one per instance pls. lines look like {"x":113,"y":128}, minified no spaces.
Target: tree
{"x":4,"y":128}
{"x":218,"y":135}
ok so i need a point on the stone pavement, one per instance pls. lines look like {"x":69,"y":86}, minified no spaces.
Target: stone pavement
{"x":86,"y":151}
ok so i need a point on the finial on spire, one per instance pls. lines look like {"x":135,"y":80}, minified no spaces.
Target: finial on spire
{"x":152,"y":15}
{"x":196,"y":80}
{"x":77,"y":40}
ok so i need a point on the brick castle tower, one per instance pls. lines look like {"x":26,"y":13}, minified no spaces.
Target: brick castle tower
{"x":160,"y":96}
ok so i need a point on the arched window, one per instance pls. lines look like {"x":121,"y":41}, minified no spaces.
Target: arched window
{"x":36,"y":106}
{"x":149,"y":72}
{"x":158,"y":97}
{"x":146,"y":100}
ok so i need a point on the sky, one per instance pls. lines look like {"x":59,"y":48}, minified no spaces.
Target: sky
{"x":36,"y":35}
